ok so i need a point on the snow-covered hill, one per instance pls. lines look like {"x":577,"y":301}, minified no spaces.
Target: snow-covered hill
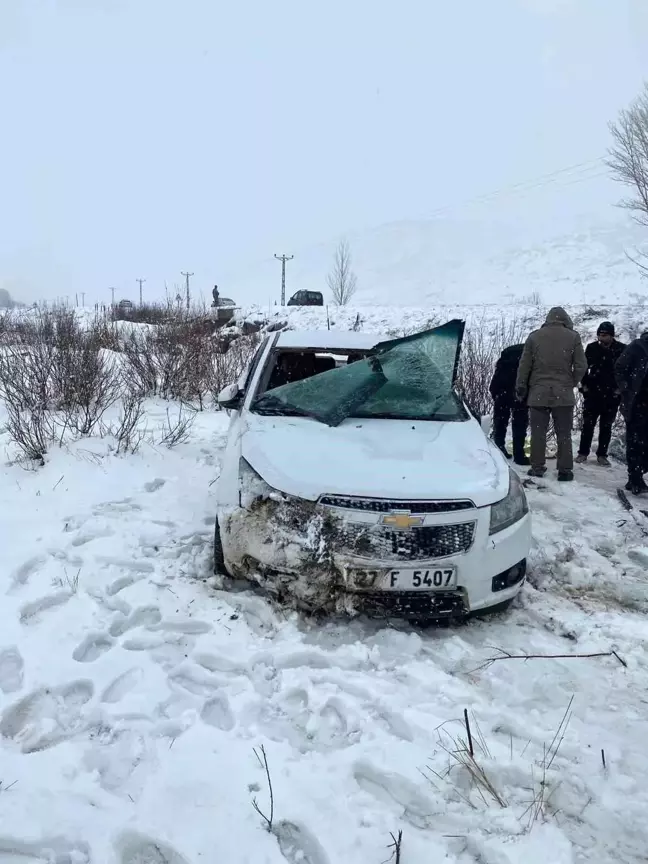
{"x":469,"y":261}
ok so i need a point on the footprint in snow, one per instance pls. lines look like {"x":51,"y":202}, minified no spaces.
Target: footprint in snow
{"x":126,"y":505}
{"x":47,"y":716}
{"x":194,"y":680}
{"x":119,"y":585}
{"x":138,"y":849}
{"x":90,"y":535}
{"x":154,"y":485}
{"x":11,"y":670}
{"x":218,"y":663}
{"x":298,"y":845}
{"x":20,"y":576}
{"x":217,"y":712}
{"x":191,"y":627}
{"x":122,"y":685}
{"x":129,"y":564}
{"x":56,"y":850}
{"x":31,"y":612}
{"x":143,"y":616}
{"x":391,"y":788}
{"x":92,"y":647}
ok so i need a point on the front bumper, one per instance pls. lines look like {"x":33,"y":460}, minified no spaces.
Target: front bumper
{"x":312,"y":554}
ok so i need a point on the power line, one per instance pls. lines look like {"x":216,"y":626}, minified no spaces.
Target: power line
{"x":580,"y":169}
{"x":283,"y":259}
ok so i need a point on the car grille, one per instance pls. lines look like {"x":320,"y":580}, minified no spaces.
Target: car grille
{"x":419,"y":544}
{"x":415,"y":605}
{"x":379,"y":505}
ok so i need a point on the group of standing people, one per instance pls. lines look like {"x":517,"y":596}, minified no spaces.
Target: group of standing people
{"x":535,"y":382}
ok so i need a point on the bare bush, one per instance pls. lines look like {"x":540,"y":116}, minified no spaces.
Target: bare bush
{"x":30,"y":429}
{"x":174,"y":361}
{"x":54,"y":376}
{"x":342,"y":280}
{"x":229,"y":365}
{"x":147,"y":313}
{"x":141,"y":362}
{"x":176,"y":430}
{"x":128,"y":431}
{"x":482,"y":345}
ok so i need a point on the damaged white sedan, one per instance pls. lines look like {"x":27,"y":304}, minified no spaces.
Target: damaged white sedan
{"x":356,"y":480}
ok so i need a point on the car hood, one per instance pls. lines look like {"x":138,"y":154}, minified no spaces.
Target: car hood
{"x":392,"y":459}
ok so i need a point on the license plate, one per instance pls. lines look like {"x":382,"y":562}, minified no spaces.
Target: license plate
{"x":406,"y":579}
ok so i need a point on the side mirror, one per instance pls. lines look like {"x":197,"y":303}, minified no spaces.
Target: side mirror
{"x":230,"y":397}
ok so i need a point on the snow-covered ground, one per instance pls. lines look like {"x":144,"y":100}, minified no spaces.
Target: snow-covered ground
{"x":133,"y":692}
{"x":509,"y":321}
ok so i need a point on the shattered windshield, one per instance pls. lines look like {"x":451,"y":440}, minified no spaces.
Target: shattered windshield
{"x":406,"y":379}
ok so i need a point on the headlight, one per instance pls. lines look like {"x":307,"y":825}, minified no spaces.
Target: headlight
{"x":511,"y":509}
{"x":253,"y":487}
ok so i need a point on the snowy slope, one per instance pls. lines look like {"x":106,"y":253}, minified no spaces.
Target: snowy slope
{"x":133,"y":692}
{"x":504,"y":323}
{"x":470,"y":261}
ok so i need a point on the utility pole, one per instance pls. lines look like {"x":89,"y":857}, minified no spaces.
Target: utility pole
{"x":283,"y":259}
{"x":112,"y":292}
{"x":83,"y":299}
{"x":140,"y":284}
{"x":188,"y":296}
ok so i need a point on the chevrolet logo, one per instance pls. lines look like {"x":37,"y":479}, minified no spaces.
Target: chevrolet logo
{"x":402,"y":520}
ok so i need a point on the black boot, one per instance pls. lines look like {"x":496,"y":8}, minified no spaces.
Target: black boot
{"x":636,"y":486}
{"x":521,"y":458}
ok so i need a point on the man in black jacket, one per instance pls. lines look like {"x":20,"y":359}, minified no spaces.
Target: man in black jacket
{"x":507,"y":406}
{"x":632,"y":380}
{"x":601,"y":398}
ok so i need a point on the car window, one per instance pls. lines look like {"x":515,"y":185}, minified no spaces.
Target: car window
{"x":411,"y":378}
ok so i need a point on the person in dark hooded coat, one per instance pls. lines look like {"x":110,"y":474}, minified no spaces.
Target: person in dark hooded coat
{"x":631,"y":372}
{"x":506,"y":406}
{"x":600,"y":393}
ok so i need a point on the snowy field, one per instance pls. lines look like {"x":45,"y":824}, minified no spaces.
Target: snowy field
{"x":513,"y":320}
{"x":133,"y":692}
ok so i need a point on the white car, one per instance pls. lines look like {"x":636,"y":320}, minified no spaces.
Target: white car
{"x":355,"y":480}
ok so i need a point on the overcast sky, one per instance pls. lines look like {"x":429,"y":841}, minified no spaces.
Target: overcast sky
{"x":146,"y":137}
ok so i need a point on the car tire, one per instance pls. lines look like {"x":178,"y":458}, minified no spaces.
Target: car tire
{"x":219,"y":555}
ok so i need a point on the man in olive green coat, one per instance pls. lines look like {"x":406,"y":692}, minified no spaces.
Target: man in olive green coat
{"x":552,"y":365}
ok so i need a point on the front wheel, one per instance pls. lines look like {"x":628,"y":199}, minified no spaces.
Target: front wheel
{"x":219,"y":556}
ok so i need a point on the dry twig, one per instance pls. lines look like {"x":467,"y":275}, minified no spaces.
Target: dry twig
{"x":396,"y":845}
{"x":505,"y":655}
{"x":263,"y":762}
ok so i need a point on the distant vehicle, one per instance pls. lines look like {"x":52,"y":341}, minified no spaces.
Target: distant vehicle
{"x":355,"y":479}
{"x":224,"y":309}
{"x":125,"y":304}
{"x":307,"y":298}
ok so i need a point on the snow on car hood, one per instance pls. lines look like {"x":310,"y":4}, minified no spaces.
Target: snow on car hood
{"x":395,"y":459}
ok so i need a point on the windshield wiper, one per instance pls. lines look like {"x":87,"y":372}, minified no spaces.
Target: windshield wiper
{"x":271,"y":406}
